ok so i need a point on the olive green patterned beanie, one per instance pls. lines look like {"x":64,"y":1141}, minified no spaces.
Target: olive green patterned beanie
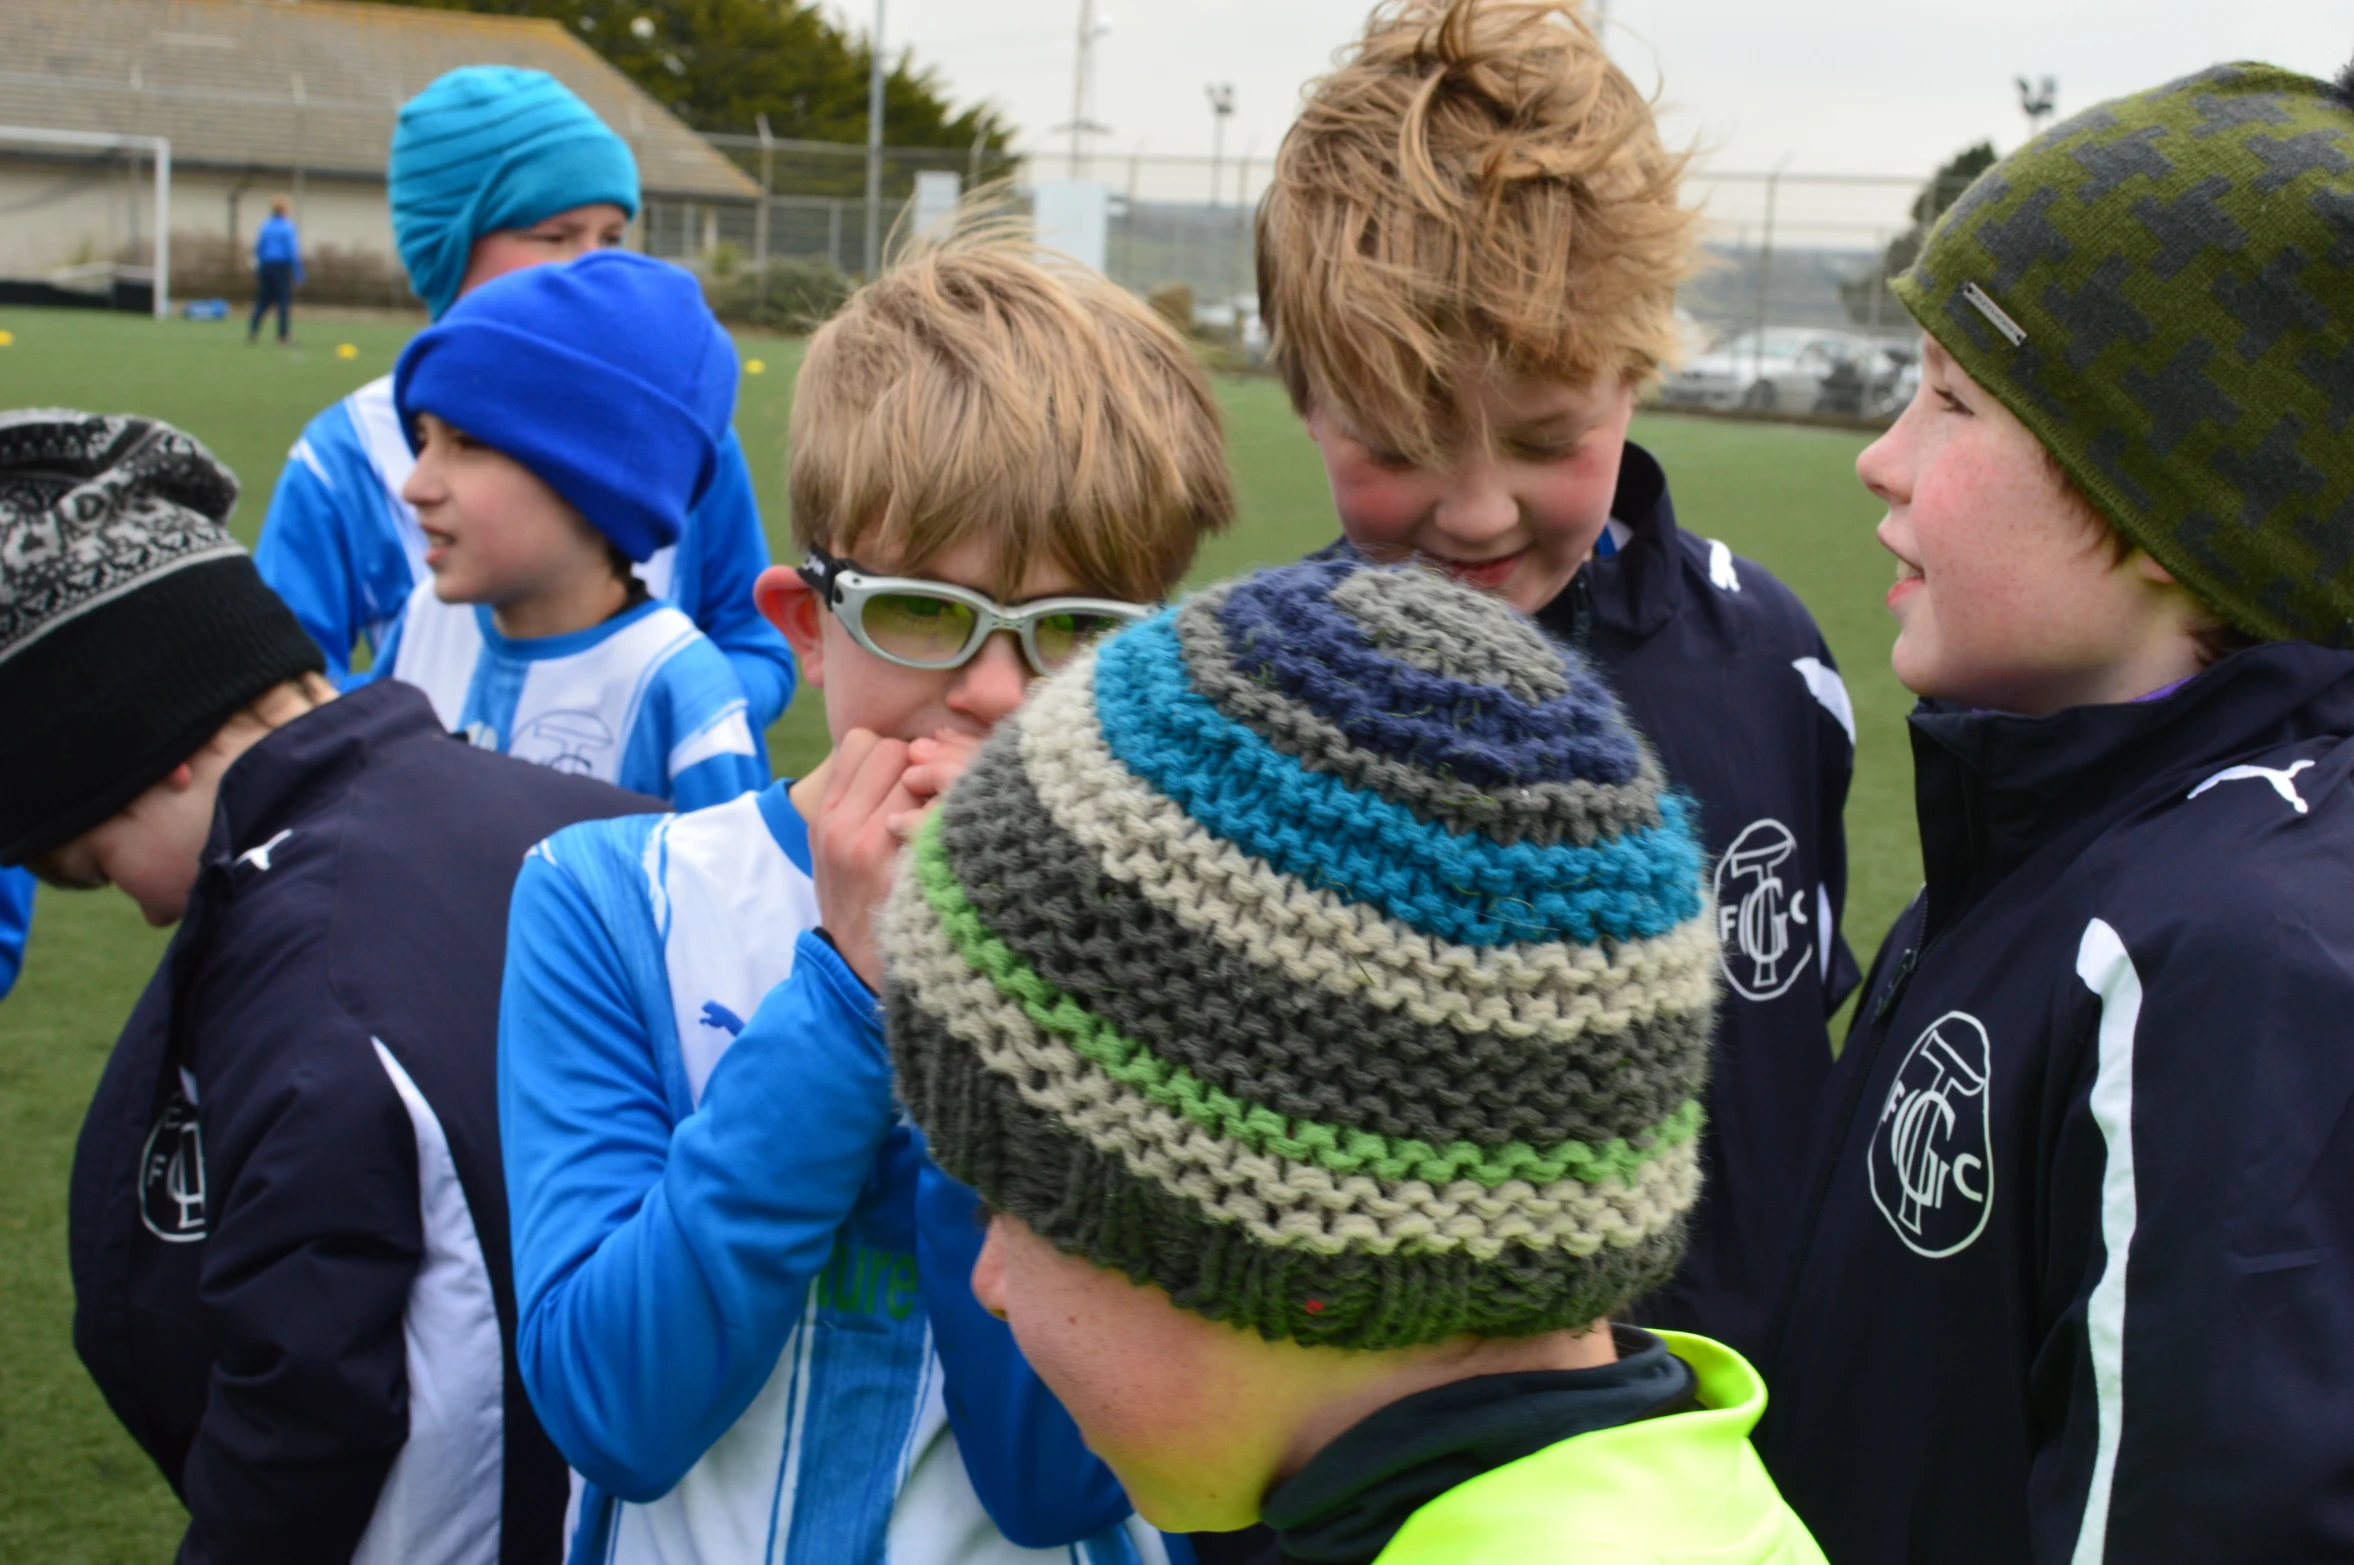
{"x":1327,"y":952}
{"x":2162,"y":289}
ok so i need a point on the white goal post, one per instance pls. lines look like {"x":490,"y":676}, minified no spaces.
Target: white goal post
{"x":161,"y":147}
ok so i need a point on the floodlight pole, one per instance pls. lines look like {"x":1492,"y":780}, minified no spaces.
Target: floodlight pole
{"x":874,"y":151}
{"x":1221,"y":107}
{"x":161,"y":146}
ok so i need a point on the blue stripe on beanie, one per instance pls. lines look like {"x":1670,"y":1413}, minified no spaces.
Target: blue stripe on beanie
{"x":603,"y":377}
{"x":1285,"y":627}
{"x":488,"y":147}
{"x":1458,"y":886}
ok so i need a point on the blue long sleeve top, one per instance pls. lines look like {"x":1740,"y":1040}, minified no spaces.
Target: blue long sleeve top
{"x":717,"y":1232}
{"x":16,"y":920}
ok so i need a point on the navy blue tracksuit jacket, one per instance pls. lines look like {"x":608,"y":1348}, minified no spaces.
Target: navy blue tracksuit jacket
{"x":2076,"y":1281}
{"x":1722,"y":669}
{"x":288,"y":1224}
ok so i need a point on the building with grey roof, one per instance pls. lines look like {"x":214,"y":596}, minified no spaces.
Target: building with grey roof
{"x":262,"y":98}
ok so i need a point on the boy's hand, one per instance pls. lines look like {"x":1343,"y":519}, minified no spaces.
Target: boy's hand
{"x":854,"y":843}
{"x":934,"y":764}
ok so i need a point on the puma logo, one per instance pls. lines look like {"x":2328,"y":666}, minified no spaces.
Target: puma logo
{"x":259,"y":857}
{"x":2283,"y":782}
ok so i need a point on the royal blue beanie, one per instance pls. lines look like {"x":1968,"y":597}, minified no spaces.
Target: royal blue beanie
{"x":607,"y":377}
{"x":488,"y":147}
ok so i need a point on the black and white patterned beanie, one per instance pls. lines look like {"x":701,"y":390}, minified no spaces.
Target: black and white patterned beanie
{"x":1327,"y":952}
{"x":132,"y":626}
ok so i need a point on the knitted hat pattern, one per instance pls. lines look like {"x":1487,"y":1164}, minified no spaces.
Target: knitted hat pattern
{"x":2162,"y":289}
{"x":132,"y":625}
{"x":1328,"y":953}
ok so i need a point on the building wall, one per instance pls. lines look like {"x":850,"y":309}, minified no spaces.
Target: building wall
{"x":54,"y":212}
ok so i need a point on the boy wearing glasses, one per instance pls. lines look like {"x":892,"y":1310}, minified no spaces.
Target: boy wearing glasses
{"x":727,"y":1320}
{"x":565,"y":420}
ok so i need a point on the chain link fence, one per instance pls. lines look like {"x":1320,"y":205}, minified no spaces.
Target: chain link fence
{"x":1788,"y":310}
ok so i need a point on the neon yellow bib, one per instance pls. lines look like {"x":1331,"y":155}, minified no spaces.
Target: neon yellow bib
{"x":1685,"y":1487}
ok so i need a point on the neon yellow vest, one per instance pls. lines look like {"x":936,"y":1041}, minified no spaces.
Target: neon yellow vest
{"x":1684,"y":1487}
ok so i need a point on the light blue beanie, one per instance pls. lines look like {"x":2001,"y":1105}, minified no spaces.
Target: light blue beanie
{"x":488,"y":147}
{"x":608,"y":378}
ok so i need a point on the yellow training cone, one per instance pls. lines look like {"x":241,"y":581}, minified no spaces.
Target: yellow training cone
{"x":755,"y":367}
{"x":344,"y":350}
{"x":6,"y":337}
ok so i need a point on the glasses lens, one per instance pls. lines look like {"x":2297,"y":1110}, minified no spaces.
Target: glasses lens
{"x":918,"y":627}
{"x":1058,"y":636}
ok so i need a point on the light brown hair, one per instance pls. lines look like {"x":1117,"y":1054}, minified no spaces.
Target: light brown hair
{"x":1475,"y":181}
{"x":978,"y":389}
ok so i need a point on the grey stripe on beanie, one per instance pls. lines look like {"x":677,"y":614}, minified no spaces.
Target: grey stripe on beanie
{"x":1307,"y":1052}
{"x":1545,"y":812}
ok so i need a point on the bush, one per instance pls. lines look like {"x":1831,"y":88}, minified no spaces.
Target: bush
{"x":800,"y":296}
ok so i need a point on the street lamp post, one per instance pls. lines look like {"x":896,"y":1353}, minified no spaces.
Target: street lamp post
{"x":1221,"y":109}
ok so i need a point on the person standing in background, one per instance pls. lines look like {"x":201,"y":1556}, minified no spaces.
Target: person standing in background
{"x":277,"y":266}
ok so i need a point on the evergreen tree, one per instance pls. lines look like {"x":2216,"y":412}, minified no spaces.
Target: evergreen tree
{"x":1942,"y":191}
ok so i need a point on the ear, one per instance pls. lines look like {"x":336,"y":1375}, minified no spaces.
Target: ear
{"x":2151,"y":571}
{"x":790,"y":604}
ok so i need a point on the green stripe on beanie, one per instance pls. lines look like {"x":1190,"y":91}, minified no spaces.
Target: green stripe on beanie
{"x":1131,"y":1008}
{"x":2162,"y":289}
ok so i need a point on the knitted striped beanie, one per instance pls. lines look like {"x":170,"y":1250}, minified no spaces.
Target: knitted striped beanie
{"x":1328,"y":953}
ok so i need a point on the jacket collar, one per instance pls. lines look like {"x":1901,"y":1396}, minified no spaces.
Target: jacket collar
{"x":1992,"y":788}
{"x":1641,"y":587}
{"x":272,"y":781}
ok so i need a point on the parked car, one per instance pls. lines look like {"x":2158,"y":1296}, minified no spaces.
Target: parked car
{"x":1779,"y":367}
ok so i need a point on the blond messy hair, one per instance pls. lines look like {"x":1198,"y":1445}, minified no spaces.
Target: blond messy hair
{"x":1475,"y":186}
{"x":979,"y":389}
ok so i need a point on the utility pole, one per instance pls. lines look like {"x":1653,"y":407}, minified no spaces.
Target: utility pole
{"x":1221,"y":109}
{"x":874,"y":150}
{"x":1082,"y":123}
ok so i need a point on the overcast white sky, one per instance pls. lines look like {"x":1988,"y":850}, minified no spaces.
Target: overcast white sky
{"x":1872,"y":86}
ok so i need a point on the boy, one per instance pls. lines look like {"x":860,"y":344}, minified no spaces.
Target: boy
{"x":724,"y":1289}
{"x":2075,"y":1279}
{"x":1468,"y":262}
{"x":1315,"y":983}
{"x":494,"y":169}
{"x":288,"y":1236}
{"x":560,"y":421}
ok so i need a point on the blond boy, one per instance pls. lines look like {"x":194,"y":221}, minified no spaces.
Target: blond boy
{"x":724,"y":1316}
{"x":1468,"y":262}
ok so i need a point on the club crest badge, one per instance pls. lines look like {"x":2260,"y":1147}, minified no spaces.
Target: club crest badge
{"x":1755,"y":911}
{"x":1932,"y":1159}
{"x":171,"y":1174}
